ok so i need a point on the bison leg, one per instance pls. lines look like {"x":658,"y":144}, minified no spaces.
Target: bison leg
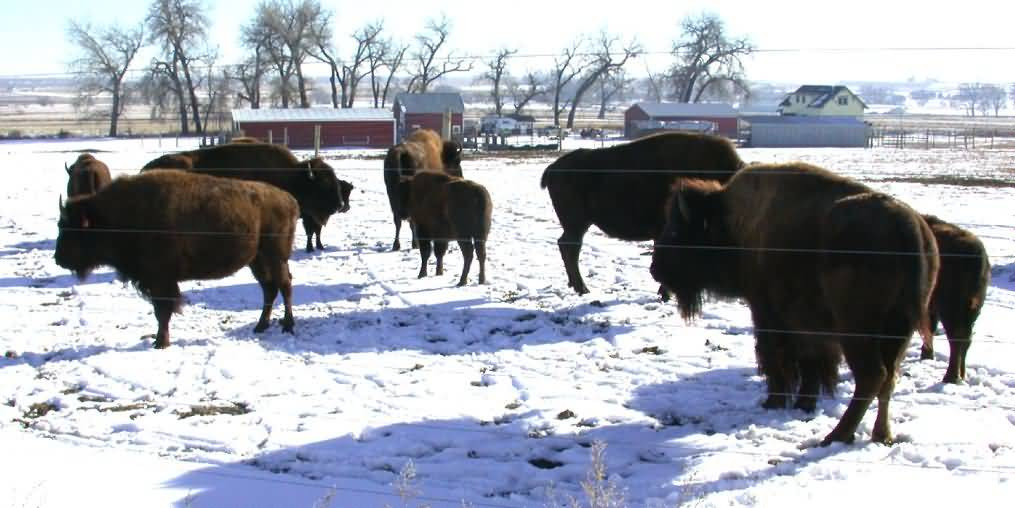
{"x":308,"y":228}
{"x":570,"y":245}
{"x":864,"y":360}
{"x":467,"y":252}
{"x":398,"y":229}
{"x":481,"y":256}
{"x":317,"y":232}
{"x":424,"y":253}
{"x":958,"y":342}
{"x":272,"y":277}
{"x":775,"y":360}
{"x":927,"y":350}
{"x":165,"y":301}
{"x":440,"y":247}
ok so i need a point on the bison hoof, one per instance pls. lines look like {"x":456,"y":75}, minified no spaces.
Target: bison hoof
{"x":926,"y":353}
{"x":421,"y":275}
{"x":396,"y":246}
{"x":261,"y":327}
{"x":461,"y":282}
{"x":288,"y":328}
{"x":774,"y":402}
{"x":952,"y":379}
{"x":885,"y":439}
{"x":161,"y":344}
{"x":834,"y":437}
{"x":320,"y":247}
{"x":806,"y":404}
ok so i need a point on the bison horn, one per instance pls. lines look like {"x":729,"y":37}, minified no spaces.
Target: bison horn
{"x":310,"y":171}
{"x":66,"y":168}
{"x":61,"y":202}
{"x":685,"y":211}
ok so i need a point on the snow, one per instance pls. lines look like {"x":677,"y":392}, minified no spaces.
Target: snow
{"x":492,"y":393}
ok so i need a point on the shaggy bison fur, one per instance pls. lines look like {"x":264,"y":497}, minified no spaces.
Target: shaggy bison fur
{"x":444,"y":207}
{"x":86,"y":176}
{"x":162,"y":227}
{"x":312,"y":182}
{"x":817,"y":257}
{"x":958,"y":296}
{"x":623,"y":189}
{"x":421,"y":150}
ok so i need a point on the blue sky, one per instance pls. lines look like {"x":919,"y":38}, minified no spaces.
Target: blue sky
{"x":539,"y":27}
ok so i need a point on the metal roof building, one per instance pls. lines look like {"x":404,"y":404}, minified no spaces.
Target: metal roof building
{"x":802,"y":131}
{"x":296,"y":128}
{"x":428,"y":111}
{"x":646,"y":117}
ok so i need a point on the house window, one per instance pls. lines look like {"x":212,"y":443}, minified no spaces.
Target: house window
{"x":844,"y":101}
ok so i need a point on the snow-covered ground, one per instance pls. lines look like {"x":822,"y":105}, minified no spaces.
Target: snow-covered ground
{"x":404,"y":392}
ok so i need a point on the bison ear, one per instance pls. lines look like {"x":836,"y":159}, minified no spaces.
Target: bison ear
{"x":683,"y":206}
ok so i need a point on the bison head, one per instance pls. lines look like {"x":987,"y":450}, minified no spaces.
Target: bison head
{"x":346,"y":194}
{"x":75,"y":242}
{"x":451,"y":157}
{"x":690,"y":244}
{"x":322,"y":192}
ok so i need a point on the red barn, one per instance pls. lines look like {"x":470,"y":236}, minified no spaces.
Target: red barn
{"x":648,"y":117}
{"x":352,"y":127}
{"x":427,"y":111}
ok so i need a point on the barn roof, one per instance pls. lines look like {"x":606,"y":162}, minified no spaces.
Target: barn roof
{"x":312,"y":115}
{"x":802,"y":120}
{"x":430,"y":102}
{"x":715,"y":110}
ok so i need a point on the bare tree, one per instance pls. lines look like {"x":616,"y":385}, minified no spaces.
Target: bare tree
{"x":180,"y":29}
{"x":385,"y":55}
{"x":283,"y":29}
{"x":611,"y":87}
{"x":992,"y":98}
{"x":495,"y":74}
{"x":969,"y":97}
{"x":654,"y":83}
{"x":347,"y":75}
{"x":566,"y":67}
{"x":706,"y":58}
{"x":1011,"y":92}
{"x":106,"y":55}
{"x":250,"y":74}
{"x":430,"y":65}
{"x":604,"y":61}
{"x":524,"y":93}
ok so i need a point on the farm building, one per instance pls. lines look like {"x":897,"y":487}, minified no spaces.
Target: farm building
{"x":648,"y":117}
{"x":822,"y":100}
{"x":352,"y":127}
{"x":774,"y":131}
{"x":442,"y":112}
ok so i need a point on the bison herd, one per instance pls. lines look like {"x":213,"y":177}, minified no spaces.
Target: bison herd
{"x":830,"y":268}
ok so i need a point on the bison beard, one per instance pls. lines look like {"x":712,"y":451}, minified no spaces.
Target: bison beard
{"x":443,"y":207}
{"x":163,"y":227}
{"x":421,"y":150}
{"x":312,"y":182}
{"x":823,"y":263}
{"x":623,"y":189}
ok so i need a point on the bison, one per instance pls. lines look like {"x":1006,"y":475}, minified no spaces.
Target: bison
{"x":421,"y":150}
{"x":960,"y":292}
{"x":958,"y":296}
{"x":816,"y":257}
{"x":623,"y":189}
{"x":86,"y":176}
{"x":312,"y":182}
{"x":444,"y":207}
{"x":162,"y":227}
{"x":312,"y":224}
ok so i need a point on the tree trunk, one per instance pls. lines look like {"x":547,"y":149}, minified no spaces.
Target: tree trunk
{"x":114,"y":116}
{"x":195,"y":105}
{"x":334,"y":85}
{"x":301,"y":83}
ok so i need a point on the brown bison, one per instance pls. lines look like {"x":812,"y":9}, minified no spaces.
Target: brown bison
{"x":162,"y":227}
{"x":444,"y":207}
{"x":816,"y":257}
{"x":960,"y":292}
{"x":421,"y":150}
{"x":312,"y":182}
{"x":623,"y":189}
{"x":312,"y":224}
{"x":958,"y":296}
{"x":86,"y":176}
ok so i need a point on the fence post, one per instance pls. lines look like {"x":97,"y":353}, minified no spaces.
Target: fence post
{"x":270,"y":140}
{"x":317,"y":140}
{"x":285,"y":137}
